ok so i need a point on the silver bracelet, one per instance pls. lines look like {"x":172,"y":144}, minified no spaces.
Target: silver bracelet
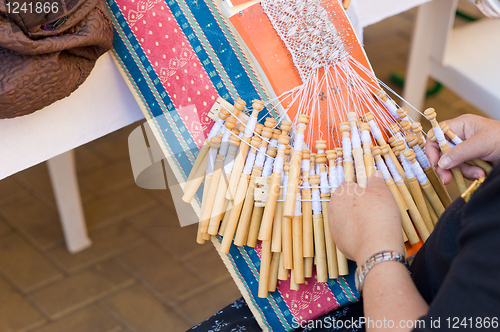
{"x":383,"y":256}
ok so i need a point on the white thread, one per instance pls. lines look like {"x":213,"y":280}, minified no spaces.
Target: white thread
{"x":298,"y":206}
{"x":252,"y":121}
{"x":278,"y":164}
{"x":421,"y":157}
{"x":308,"y":32}
{"x":249,"y":164}
{"x":407,"y":168}
{"x":229,"y":161}
{"x":215,"y":128}
{"x":355,"y":139}
{"x":261,"y":157}
{"x":268,"y":166}
{"x":346,"y":148}
{"x":284,"y":180}
{"x":224,"y":145}
{"x":392,"y":108}
{"x":394,"y":171}
{"x":325,"y":185}
{"x":375,"y":129}
{"x":212,"y":156}
{"x":383,"y":168}
{"x":334,"y":182}
{"x":438,"y":133}
{"x":316,"y":202}
{"x":421,"y":177}
{"x":340,"y":171}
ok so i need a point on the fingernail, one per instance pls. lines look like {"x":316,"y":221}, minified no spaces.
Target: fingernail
{"x":378,"y":174}
{"x":444,"y":162}
{"x":476,"y":176}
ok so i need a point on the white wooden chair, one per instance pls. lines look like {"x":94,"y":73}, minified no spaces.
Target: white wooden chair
{"x":464,"y":59}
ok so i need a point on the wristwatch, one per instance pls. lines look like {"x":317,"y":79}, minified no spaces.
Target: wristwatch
{"x":383,"y":256}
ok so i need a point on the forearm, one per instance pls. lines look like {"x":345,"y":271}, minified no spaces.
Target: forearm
{"x":389,"y":295}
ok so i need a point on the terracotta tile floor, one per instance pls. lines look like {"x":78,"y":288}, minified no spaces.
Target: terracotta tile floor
{"x":144,"y":272}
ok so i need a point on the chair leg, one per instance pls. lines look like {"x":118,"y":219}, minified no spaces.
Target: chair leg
{"x":65,"y":185}
{"x":417,"y":71}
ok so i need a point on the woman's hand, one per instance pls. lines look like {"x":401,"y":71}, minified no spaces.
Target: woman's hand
{"x":481,"y":139}
{"x":365,"y":221}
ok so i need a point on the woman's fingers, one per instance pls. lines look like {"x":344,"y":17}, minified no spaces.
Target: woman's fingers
{"x":433,"y":152}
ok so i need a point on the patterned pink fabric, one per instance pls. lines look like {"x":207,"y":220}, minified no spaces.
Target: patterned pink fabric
{"x":173,"y":61}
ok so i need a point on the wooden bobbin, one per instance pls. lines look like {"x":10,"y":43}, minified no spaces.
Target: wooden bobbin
{"x":416,"y":128}
{"x":282,"y":272}
{"x":319,"y":238}
{"x":357,"y":152}
{"x":367,"y":153}
{"x":331,"y":249}
{"x":297,"y":249}
{"x":239,"y":161}
{"x":415,"y":215}
{"x":405,"y":219}
{"x":430,"y":114}
{"x":291,"y":192}
{"x":433,"y":214}
{"x":430,"y":193}
{"x":276,"y":237}
{"x":265,"y":269}
{"x":487,"y":168}
{"x":308,"y":244}
{"x":248,"y":205}
{"x":234,"y":143}
{"x":416,"y":191}
{"x":402,"y":113}
{"x":209,"y":191}
{"x":381,"y":94}
{"x":437,"y":185}
{"x":238,"y":202}
{"x":348,"y":164}
{"x":272,"y":197}
{"x":273,"y":278}
{"x":200,"y":163}
{"x":286,"y":233}
{"x":285,"y":127}
{"x":381,"y":141}
{"x":220,"y":201}
{"x":405,"y":124}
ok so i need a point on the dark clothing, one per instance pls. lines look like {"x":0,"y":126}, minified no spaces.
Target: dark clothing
{"x":457,"y":271}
